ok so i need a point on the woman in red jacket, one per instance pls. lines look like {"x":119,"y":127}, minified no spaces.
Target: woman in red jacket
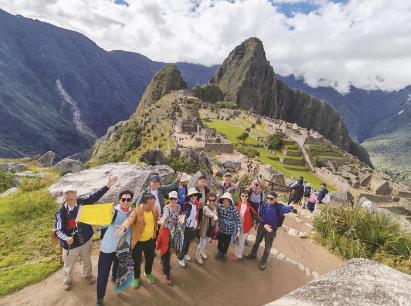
{"x":247,"y":213}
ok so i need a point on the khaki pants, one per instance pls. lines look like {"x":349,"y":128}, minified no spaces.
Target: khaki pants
{"x":84,"y":252}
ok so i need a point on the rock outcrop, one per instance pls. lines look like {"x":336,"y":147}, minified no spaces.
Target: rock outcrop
{"x":47,"y":159}
{"x":357,"y":282}
{"x":154,"y":157}
{"x":68,"y":166}
{"x":129,"y":177}
{"x":247,"y":78}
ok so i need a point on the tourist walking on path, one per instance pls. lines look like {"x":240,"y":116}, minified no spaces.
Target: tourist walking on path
{"x":109,"y":243}
{"x":171,"y":217}
{"x":158,"y":191}
{"x":307,"y":193}
{"x":75,"y":237}
{"x":143,"y":220}
{"x":311,"y":201}
{"x":208,"y":218}
{"x":247,"y":215}
{"x":190,"y":211}
{"x":297,"y":192}
{"x":271,"y":216}
{"x":202,"y":187}
{"x":229,"y":225}
{"x":322,"y":193}
{"x":182,"y":189}
{"x":255,"y":195}
{"x":227,"y":185}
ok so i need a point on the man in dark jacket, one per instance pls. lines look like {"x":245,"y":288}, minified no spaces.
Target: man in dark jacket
{"x":271,"y":214}
{"x":75,"y":237}
{"x":322,"y":192}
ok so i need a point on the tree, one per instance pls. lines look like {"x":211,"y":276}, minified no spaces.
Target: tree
{"x":275,"y":142}
{"x":242,"y":138}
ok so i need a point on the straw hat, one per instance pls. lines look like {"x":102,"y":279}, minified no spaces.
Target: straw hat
{"x":193,"y":191}
{"x":227,"y":196}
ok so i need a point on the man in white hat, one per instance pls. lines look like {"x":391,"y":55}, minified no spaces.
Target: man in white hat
{"x":190,"y":211}
{"x":75,"y":237}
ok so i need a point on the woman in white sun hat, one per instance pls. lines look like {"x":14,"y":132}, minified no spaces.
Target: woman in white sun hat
{"x":229,"y":224}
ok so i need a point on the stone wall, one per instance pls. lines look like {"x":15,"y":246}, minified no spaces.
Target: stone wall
{"x":336,"y":180}
{"x":293,"y":161}
{"x":219,"y":147}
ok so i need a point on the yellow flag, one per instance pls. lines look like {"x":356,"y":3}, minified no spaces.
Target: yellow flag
{"x":97,"y":214}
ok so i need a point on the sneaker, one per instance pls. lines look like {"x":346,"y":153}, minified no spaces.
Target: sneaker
{"x":203,"y":254}
{"x":168,"y":280}
{"x":181,"y":263}
{"x":150,"y":278}
{"x":187,"y":258}
{"x":218,"y":255}
{"x":90,"y":279}
{"x":99,"y":302}
{"x":136,"y":283}
{"x":235,"y":258}
{"x":199,"y":259}
{"x":67,"y":285}
{"x":250,"y":256}
{"x":263,"y":265}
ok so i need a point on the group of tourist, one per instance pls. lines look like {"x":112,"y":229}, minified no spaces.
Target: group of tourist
{"x":302,"y":193}
{"x":154,"y":227}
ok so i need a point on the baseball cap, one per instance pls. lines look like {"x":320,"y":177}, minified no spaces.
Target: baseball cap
{"x":69,"y":188}
{"x":227,"y":174}
{"x":155,"y":177}
{"x":173,"y":195}
{"x":272,"y":193}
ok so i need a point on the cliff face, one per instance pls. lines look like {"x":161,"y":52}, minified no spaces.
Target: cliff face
{"x":247,"y":78}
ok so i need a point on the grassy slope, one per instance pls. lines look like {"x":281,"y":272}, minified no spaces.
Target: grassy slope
{"x":231,"y":131}
{"x":27,"y":253}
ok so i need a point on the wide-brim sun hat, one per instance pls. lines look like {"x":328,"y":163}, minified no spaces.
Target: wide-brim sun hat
{"x":227,"y":196}
{"x":193,"y":191}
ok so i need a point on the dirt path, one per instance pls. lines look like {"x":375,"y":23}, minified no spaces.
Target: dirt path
{"x":214,"y":283}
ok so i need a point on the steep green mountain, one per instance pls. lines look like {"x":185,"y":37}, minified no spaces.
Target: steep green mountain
{"x":59,"y":91}
{"x":247,"y":78}
{"x":148,"y":126}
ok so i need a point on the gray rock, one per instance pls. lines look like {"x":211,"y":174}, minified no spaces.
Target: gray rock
{"x":166,"y":172}
{"x":13,"y":167}
{"x":341,"y":197}
{"x":129,"y":177}
{"x":154,"y":157}
{"x":358,"y":282}
{"x":47,"y":159}
{"x":370,"y":206}
{"x":355,"y":184}
{"x":68,"y":166}
{"x":230,"y":164}
{"x":30,"y":174}
{"x":8,"y":192}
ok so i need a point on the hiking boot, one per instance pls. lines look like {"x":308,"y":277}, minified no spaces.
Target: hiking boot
{"x":199,"y":259}
{"x":99,"y":302}
{"x":67,"y":285}
{"x":203,"y":254}
{"x":181,"y":263}
{"x":168,"y":280}
{"x":187,"y":258}
{"x":150,"y":278}
{"x":90,"y":279}
{"x":263,"y":265}
{"x":136,"y":283}
{"x":250,"y":256}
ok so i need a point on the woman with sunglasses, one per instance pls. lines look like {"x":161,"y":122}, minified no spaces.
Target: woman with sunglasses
{"x":208,"y":220}
{"x":171,"y":217}
{"x":247,"y":214}
{"x":109,"y":244}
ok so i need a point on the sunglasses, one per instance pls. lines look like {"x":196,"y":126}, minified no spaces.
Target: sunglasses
{"x":270,"y":198}
{"x":125,"y":199}
{"x":212,"y":200}
{"x":244,"y":195}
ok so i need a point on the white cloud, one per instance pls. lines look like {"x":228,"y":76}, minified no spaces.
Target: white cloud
{"x":365,"y":43}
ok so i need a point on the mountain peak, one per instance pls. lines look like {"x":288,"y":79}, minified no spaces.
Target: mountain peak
{"x":164,"y":81}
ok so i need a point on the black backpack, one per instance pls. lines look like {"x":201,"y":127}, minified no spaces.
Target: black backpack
{"x":307,"y":191}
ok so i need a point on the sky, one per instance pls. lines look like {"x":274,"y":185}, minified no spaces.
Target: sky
{"x":337,"y":43}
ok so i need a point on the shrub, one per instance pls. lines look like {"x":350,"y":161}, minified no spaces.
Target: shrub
{"x":242,"y":137}
{"x":353,"y":232}
{"x":6,"y":180}
{"x":180,"y":164}
{"x":275,"y":142}
{"x":248,"y":151}
{"x":253,"y":126}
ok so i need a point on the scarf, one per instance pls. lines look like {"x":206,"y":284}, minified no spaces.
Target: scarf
{"x":177,"y":236}
{"x":124,"y":276}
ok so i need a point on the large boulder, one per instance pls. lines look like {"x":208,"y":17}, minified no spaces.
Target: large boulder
{"x":380,"y":186}
{"x":154,"y":157}
{"x":341,"y":197}
{"x":129,"y":176}
{"x":47,"y":159}
{"x":68,"y":166}
{"x":358,"y":282}
{"x":230,"y":163}
{"x":13,"y":167}
{"x":267,"y":174}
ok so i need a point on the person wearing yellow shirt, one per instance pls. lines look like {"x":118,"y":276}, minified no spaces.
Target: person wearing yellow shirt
{"x":143,"y":237}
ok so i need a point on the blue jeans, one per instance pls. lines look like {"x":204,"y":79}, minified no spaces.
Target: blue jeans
{"x":105,"y":261}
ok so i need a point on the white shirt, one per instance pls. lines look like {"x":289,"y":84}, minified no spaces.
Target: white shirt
{"x":158,"y":206}
{"x":242,"y":210}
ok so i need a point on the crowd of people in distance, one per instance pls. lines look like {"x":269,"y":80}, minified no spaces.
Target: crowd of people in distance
{"x":302,"y":193}
{"x":165,"y":219}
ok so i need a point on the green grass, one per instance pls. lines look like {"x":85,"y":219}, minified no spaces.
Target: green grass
{"x":353,"y":232}
{"x":27,"y":254}
{"x":231,"y":131}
